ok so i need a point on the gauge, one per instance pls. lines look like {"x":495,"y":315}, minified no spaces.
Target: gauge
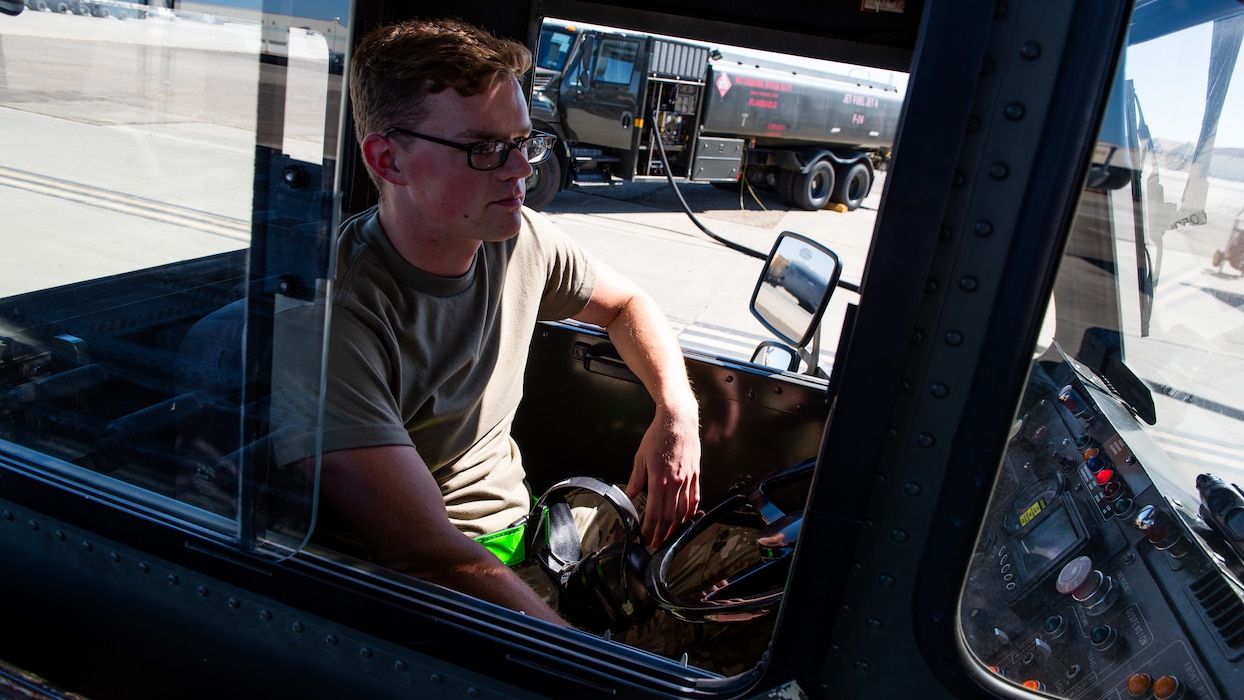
{"x":1031,"y":501}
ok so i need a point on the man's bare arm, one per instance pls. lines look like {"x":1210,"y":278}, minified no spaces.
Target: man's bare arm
{"x":392,"y":500}
{"x":668,"y":460}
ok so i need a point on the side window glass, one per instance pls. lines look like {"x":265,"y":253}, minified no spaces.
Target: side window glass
{"x":1108,"y":562}
{"x":615,"y":61}
{"x":167,"y":186}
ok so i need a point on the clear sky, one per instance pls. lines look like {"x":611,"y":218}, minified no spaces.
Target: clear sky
{"x":1171,"y":74}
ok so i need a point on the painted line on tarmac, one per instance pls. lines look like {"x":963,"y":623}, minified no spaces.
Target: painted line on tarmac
{"x":162,"y":212}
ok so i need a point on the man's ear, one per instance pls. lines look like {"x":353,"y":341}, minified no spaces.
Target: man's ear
{"x":380,"y":156}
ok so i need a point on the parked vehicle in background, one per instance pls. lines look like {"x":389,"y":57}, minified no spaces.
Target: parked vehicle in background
{"x":636,"y":106}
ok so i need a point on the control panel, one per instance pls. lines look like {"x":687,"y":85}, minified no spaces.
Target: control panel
{"x":1087,"y":581}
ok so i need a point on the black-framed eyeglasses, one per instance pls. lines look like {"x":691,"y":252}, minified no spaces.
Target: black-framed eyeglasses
{"x":490,"y":155}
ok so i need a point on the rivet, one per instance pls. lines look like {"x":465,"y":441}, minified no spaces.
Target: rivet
{"x":59,"y":535}
{"x":904,"y":385}
{"x":939,"y":390}
{"x":777,"y":389}
{"x":917,"y":336}
{"x":969,"y":284}
{"x":891,"y":433}
{"x":400,"y":665}
{"x":930,"y":286}
{"x":911,"y":488}
{"x":8,"y":516}
{"x":1014,"y":111}
{"x":959,"y":179}
{"x":473,"y":692}
{"x":115,"y":557}
{"x":365,"y":652}
{"x":999,"y":171}
{"x":86,"y":546}
{"x":944,"y":233}
{"x":873,"y":624}
{"x":863,"y":666}
{"x":330,"y":640}
{"x":265,"y":615}
{"x":885,"y":581}
{"x":437,"y":679}
{"x":173,"y":580}
{"x":983,"y":228}
{"x":954,"y":338}
{"x":143,"y":567}
{"x":1030,"y":51}
{"x":297,"y":626}
{"x":856,"y":567}
{"x":729,"y":378}
{"x":925,"y":440}
{"x":202,"y":591}
{"x":34,"y":525}
{"x":233,"y":603}
{"x":898,"y":535}
{"x":844,"y":610}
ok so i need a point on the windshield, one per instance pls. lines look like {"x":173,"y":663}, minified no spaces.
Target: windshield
{"x":1114,"y":544}
{"x":1183,"y":327}
{"x":554,"y":48}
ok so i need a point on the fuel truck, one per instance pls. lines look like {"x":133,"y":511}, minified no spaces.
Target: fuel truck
{"x":630,"y":106}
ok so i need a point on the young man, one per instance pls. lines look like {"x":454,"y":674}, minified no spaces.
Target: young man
{"x":437,"y":292}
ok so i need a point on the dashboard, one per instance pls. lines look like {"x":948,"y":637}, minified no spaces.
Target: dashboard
{"x":1088,"y":581}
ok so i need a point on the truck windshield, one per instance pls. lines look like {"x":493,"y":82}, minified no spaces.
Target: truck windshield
{"x":555,"y":46}
{"x":1120,"y":487}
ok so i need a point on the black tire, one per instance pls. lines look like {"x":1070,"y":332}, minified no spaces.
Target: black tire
{"x":812,"y":190}
{"x":62,"y":7}
{"x":853,"y":186}
{"x":544,"y":182}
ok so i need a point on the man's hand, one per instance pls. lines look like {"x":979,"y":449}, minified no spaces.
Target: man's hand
{"x":668,"y":465}
{"x":668,"y":461}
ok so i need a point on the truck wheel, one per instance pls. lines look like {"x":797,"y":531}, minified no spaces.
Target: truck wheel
{"x":853,"y":186}
{"x":811,"y":190}
{"x":544,"y":182}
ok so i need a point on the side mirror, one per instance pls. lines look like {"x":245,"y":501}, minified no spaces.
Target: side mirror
{"x":587,"y":54}
{"x":776,"y":355}
{"x":12,"y":7}
{"x":794,"y":289}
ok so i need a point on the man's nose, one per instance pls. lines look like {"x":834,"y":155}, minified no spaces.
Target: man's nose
{"x":517,"y":165}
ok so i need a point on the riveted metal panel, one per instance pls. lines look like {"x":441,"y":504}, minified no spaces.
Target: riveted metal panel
{"x":938,"y":360}
{"x":127,"y":622}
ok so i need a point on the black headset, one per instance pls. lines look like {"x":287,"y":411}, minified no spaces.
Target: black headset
{"x":605,"y":589}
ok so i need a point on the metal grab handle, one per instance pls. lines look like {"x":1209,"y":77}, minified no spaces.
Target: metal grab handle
{"x":603,"y":359}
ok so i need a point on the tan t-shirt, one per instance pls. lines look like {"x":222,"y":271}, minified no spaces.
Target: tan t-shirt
{"x":433,"y":362}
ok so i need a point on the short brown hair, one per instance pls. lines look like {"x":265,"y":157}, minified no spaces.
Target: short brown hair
{"x":397,"y":66}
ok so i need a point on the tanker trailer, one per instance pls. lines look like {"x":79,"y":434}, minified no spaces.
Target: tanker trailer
{"x":813,"y":139}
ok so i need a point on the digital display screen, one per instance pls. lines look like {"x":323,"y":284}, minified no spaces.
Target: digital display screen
{"x":1048,"y":540}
